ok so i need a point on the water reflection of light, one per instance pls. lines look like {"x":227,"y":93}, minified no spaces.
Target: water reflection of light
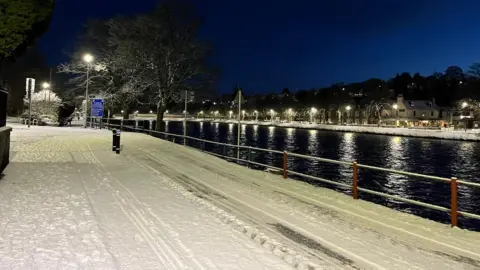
{"x":166,"y":126}
{"x":467,"y":147}
{"x":462,"y":164}
{"x":230,"y":128}
{"x":271,"y":135}
{"x":347,"y":147}
{"x":255,"y":132}
{"x":395,"y":156}
{"x":290,"y":139}
{"x":395,"y":159}
{"x":312,"y":142}
{"x":201,"y":127}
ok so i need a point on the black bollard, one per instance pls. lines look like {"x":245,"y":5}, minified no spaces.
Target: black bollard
{"x":118,"y":141}
{"x":114,"y":140}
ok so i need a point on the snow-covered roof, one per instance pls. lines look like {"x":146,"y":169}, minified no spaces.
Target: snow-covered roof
{"x":420,"y":105}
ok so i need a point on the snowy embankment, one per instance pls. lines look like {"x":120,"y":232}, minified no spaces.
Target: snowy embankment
{"x":68,"y":202}
{"x":436,"y":134}
{"x":280,"y":214}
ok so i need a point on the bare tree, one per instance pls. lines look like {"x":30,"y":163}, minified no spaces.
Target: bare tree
{"x":160,"y":54}
{"x":376,"y":108}
{"x":105,"y":78}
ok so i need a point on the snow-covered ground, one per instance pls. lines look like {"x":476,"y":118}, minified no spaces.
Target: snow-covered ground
{"x":69,"y":202}
{"x":469,"y":135}
{"x":336,"y":230}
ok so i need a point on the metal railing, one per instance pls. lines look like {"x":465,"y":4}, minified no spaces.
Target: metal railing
{"x":355,"y":189}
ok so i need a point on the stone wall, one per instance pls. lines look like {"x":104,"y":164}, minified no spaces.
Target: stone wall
{"x":4,"y":147}
{"x":3,"y":106}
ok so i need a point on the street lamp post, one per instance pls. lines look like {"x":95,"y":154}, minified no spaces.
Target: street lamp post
{"x":45,"y":86}
{"x":348,"y":108}
{"x":289,"y":114}
{"x":395,"y":107}
{"x":88,"y":58}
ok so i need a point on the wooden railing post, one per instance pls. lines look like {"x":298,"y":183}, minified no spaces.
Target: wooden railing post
{"x":454,"y":201}
{"x":355,"y":181}
{"x":284,"y":164}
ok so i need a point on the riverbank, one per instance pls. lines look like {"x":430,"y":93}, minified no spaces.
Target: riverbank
{"x":468,"y":135}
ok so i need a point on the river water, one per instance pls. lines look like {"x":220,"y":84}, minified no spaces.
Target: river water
{"x":444,"y":158}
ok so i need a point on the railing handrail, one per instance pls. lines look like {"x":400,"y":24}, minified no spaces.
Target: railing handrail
{"x":453,"y":181}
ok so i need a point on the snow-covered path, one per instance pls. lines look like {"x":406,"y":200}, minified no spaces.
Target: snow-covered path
{"x":68,"y":202}
{"x":329,"y":226}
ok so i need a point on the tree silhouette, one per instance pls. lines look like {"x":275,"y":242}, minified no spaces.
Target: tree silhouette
{"x":22,"y":21}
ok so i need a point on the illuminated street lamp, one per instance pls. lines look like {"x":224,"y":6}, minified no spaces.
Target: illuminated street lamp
{"x":272,"y":113}
{"x":87,"y":58}
{"x":45,"y":86}
{"x":256,"y":115}
{"x":230,"y":113}
{"x":348,"y":108}
{"x":243,"y":115}
{"x":395,"y":107}
{"x":290,"y":114}
{"x":464,"y":104}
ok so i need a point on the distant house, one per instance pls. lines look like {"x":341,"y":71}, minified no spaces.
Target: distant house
{"x":416,"y":112}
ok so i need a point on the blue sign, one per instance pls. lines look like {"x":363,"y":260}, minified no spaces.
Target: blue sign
{"x":97,"y":108}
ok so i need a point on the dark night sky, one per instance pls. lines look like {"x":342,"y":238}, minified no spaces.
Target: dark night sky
{"x":267,"y":45}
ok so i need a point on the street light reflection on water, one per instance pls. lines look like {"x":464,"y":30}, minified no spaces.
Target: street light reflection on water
{"x":271,"y":134}
{"x":395,"y":159}
{"x":347,"y":147}
{"x":255,"y":131}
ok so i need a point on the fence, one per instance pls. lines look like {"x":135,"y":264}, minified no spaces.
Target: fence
{"x":354,"y":187}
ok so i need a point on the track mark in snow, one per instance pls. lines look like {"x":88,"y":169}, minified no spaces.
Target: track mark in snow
{"x":458,"y":258}
{"x":316,"y":202}
{"x":142,"y":220}
{"x":257,"y":237}
{"x":273,"y":246}
{"x":312,"y":244}
{"x":321,"y":210}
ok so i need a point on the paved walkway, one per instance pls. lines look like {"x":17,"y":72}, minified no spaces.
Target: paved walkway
{"x":68,"y":202}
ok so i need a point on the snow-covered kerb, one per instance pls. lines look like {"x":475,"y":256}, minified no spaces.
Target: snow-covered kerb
{"x":436,"y":134}
{"x":4,"y":147}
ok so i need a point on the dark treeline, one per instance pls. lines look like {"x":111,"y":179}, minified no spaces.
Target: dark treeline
{"x":447,"y":89}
